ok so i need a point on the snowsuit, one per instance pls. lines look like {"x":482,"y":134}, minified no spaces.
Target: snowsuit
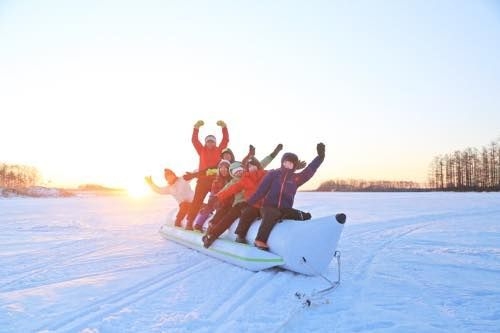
{"x":278,"y":189}
{"x":208,"y":158}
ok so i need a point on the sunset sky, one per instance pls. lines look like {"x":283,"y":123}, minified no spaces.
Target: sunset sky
{"x":108,"y":91}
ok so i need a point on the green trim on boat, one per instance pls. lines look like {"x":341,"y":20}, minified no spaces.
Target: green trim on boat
{"x":278,"y":261}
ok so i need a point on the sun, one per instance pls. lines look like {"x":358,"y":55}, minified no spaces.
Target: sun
{"x":138,"y":190}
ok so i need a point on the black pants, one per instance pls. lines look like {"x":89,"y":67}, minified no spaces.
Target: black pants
{"x":272,"y":215}
{"x":227,"y":220}
{"x":203,"y":187}
{"x":248,"y":216}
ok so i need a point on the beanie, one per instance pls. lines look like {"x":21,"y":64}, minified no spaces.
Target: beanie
{"x":210,"y":138}
{"x":234,"y":168}
{"x":225,"y":163}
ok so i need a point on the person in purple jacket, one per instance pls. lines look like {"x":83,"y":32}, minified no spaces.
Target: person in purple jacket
{"x":277,"y":190}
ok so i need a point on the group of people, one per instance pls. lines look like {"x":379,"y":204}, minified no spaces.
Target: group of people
{"x":241,"y":190}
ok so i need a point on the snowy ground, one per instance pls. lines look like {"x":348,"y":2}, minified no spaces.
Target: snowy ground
{"x":411,"y":262}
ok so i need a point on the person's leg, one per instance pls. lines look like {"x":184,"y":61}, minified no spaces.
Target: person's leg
{"x":248,"y":216}
{"x":270,"y":216}
{"x":294,"y":214}
{"x":202,"y":188}
{"x":183,"y":210}
{"x":222,"y":225}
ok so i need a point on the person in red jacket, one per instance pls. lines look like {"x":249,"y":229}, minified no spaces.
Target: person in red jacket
{"x":210,"y":156}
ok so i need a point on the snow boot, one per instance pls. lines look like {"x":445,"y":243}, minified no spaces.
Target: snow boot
{"x":240,"y":239}
{"x":261,"y":245}
{"x":208,"y":240}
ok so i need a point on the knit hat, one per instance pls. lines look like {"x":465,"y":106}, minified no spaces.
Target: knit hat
{"x":210,"y":138}
{"x":292,"y":158}
{"x":225,"y":163}
{"x":234,"y":168}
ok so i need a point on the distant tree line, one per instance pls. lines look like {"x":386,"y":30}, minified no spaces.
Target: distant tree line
{"x":359,"y":185}
{"x":18,"y":176}
{"x":472,"y":169}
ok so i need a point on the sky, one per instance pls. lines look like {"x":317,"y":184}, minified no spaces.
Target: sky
{"x":410,"y":262}
{"x":108,"y":91}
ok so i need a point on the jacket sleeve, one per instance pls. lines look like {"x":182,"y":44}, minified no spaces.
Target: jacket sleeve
{"x":262,"y":190}
{"x":225,"y":138}
{"x":266,"y":161}
{"x":309,"y":171}
{"x":161,"y":190}
{"x":196,"y":141}
{"x":232,"y":189}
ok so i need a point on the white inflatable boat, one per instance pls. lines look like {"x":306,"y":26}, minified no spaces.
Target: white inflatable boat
{"x":305,"y":247}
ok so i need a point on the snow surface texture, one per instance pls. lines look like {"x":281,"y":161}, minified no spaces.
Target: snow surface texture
{"x":411,"y":262}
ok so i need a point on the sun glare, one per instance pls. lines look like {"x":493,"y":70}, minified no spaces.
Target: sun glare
{"x":138,"y":190}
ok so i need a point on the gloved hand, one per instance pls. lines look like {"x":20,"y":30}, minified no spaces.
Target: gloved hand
{"x":320,"y":147}
{"x":251,"y":151}
{"x":276,"y":150}
{"x":301,"y":165}
{"x":199,"y":123}
{"x":148,"y":180}
{"x":221,"y":123}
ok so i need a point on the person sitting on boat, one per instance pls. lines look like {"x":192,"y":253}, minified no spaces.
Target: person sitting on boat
{"x":224,"y":206}
{"x":210,"y":155}
{"x":278,"y":189}
{"x":179,"y":188}
{"x":221,"y":179}
{"x":241,"y":189}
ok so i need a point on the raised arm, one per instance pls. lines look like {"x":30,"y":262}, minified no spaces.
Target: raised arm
{"x":311,"y":169}
{"x":194,"y":138}
{"x":225,"y":135}
{"x":157,"y":189}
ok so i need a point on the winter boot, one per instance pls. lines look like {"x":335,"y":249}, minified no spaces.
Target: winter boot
{"x":208,"y":240}
{"x":261,"y":245}
{"x":240,"y":239}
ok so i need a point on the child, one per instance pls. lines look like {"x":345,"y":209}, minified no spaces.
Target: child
{"x":178,"y":188}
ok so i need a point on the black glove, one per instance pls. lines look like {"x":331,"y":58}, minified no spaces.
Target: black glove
{"x":251,"y":151}
{"x":320,"y":147}
{"x":276,"y":150}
